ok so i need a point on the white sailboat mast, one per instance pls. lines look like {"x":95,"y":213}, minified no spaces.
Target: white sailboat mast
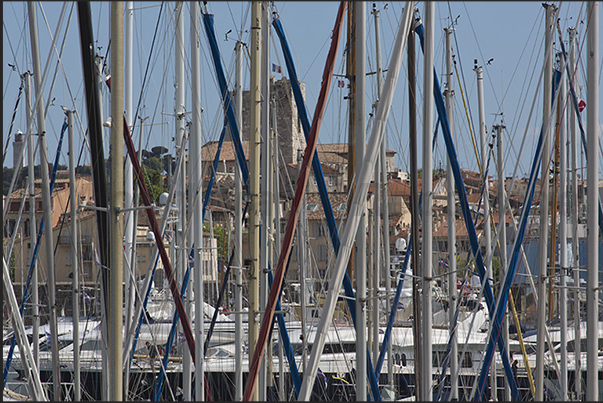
{"x":426,"y":210}
{"x":32,"y":215}
{"x":265,"y":192}
{"x":449,"y":93}
{"x":502,"y":235}
{"x":33,"y":31}
{"x":75,"y":281}
{"x":384,"y":195}
{"x":544,"y":200}
{"x":301,"y":251}
{"x":238,"y":257}
{"x":486,"y":197}
{"x":561,"y":108}
{"x":574,"y":212}
{"x":116,"y":204}
{"x":130,"y":215}
{"x":360,"y":255}
{"x":254,"y":178}
{"x":194,"y":202}
{"x":374,"y":300}
{"x":592,"y":203}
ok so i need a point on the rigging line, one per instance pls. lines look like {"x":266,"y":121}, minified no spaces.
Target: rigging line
{"x":60,"y":62}
{"x":534,"y":55}
{"x":467,"y":112}
{"x":16,"y":227}
{"x":146,"y":72}
{"x":12,"y":50}
{"x":12,"y":120}
{"x":48,"y":101}
{"x":52,"y":46}
{"x":462,"y":71}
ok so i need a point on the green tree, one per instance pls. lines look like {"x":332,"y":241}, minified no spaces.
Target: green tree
{"x":221,"y":235}
{"x":153,"y":163}
{"x":154,"y":181}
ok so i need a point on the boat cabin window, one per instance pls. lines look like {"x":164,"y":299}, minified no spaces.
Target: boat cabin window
{"x":583,"y":345}
{"x":91,"y":345}
{"x":467,"y":361}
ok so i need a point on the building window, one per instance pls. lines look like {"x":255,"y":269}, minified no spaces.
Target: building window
{"x":321,"y":254}
{"x":69,"y":257}
{"x":88,"y":271}
{"x":319,"y":230}
{"x":312,"y":207}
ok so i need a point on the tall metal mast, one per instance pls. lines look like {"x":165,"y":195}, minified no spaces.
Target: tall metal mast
{"x":351,"y":75}
{"x":194,"y":201}
{"x":449,"y":92}
{"x":301,"y":251}
{"x":414,"y":200}
{"x":276,"y":219}
{"x":426,"y":211}
{"x":180,"y":244}
{"x":32,"y":215}
{"x":117,"y":200}
{"x":502,"y":205}
{"x":75,"y":281}
{"x":574,"y":212}
{"x":254,"y":177}
{"x":563,"y":233}
{"x":377,"y":207}
{"x":360,"y":258}
{"x":544,"y":200}
{"x":384,"y":197}
{"x":92,"y":83}
{"x":486,"y":195}
{"x":238,"y":246}
{"x":130,"y":215}
{"x":48,"y":240}
{"x":266,"y":192}
{"x":593,"y":239}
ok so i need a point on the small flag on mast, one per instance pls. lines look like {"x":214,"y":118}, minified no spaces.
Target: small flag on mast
{"x":276,"y":68}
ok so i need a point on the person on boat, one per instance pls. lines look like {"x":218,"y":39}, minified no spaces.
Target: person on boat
{"x":153,"y":353}
{"x":514,"y":368}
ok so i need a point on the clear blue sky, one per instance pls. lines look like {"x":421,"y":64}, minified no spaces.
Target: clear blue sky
{"x":510,"y":33}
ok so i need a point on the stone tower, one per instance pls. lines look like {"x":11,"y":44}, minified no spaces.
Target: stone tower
{"x":289,"y":130}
